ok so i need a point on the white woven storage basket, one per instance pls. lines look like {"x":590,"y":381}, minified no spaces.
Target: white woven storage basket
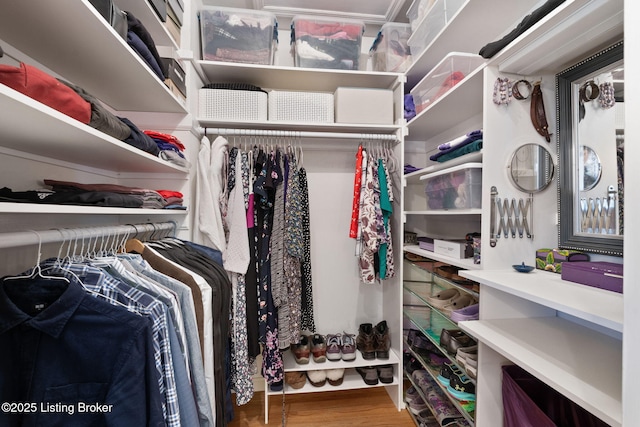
{"x":293,"y":106}
{"x":226,"y":104}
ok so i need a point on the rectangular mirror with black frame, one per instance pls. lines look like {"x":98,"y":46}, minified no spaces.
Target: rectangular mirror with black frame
{"x":590,"y":139}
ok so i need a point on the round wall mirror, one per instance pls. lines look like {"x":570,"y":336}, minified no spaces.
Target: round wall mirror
{"x":531,"y":168}
{"x":590,"y":168}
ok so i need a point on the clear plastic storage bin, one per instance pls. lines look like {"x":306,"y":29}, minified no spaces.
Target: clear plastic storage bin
{"x":444,"y":76}
{"x":417,"y":12}
{"x":390,"y":51}
{"x":238,"y":35}
{"x":326,"y":43}
{"x":436,"y":17}
{"x":459,"y":187}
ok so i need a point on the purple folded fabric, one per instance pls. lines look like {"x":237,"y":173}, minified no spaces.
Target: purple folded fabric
{"x":409,"y":168}
{"x":474,"y":136}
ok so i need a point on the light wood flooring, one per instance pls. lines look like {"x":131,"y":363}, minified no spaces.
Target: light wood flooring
{"x":367,"y":407}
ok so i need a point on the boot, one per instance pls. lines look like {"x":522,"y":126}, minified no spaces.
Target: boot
{"x":365,"y":341}
{"x":382,"y":340}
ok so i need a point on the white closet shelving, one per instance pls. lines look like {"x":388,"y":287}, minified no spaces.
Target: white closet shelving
{"x":75,"y":43}
{"x":341,"y":301}
{"x":560,"y":332}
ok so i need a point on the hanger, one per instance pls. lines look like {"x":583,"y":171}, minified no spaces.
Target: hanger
{"x":37,"y":269}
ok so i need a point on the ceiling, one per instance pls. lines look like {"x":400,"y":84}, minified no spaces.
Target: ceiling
{"x":369,"y":11}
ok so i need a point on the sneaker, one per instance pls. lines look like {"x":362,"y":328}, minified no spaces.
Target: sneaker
{"x":470,"y":312}
{"x":426,"y":419}
{"x":411,"y":394}
{"x":318,"y":348}
{"x":369,"y":374}
{"x":334,"y":342}
{"x":335,"y":376}
{"x":464,"y":353}
{"x":417,"y":405}
{"x":385,"y":374}
{"x":365,"y":341}
{"x":458,"y":303}
{"x":348,"y":347}
{"x":382,"y":340}
{"x":301,"y":350}
{"x":447,"y":372}
{"x":461,"y":387}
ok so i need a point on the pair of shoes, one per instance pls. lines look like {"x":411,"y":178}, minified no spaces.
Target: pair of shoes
{"x":458,"y":303}
{"x":425,"y":418}
{"x":470,"y":312}
{"x":295,"y":379}
{"x":467,"y":357}
{"x":462,"y":388}
{"x":301,"y":350}
{"x":341,"y":346}
{"x":457,"y":383}
{"x":372,"y":374}
{"x":374,"y":342}
{"x":276,"y":386}
{"x":452,"y":339}
{"x":319,"y":377}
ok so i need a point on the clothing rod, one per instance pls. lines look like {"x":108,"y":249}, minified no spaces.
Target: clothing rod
{"x":32,"y":237}
{"x":299,"y":134}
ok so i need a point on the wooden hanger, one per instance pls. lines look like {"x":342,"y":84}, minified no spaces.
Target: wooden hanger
{"x":134,"y":246}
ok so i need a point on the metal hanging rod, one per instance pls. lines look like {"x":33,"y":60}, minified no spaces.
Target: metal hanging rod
{"x":32,"y":237}
{"x":299,"y":134}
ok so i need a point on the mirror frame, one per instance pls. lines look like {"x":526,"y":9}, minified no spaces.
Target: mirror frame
{"x":567,"y":237}
{"x":548,"y":172}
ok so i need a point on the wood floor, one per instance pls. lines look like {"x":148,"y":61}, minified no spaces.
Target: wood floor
{"x":367,"y":407}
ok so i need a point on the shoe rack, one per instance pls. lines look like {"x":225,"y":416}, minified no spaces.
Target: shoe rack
{"x":420,"y":284}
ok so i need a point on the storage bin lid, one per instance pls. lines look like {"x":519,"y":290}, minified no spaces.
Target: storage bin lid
{"x":458,"y":61}
{"x":322,"y":26}
{"x":452,"y":169}
{"x":260,"y":18}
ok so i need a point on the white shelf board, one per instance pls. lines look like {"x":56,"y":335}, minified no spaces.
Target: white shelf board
{"x":352,"y":381}
{"x":462,"y":263}
{"x":291,"y":365}
{"x":568,"y":33}
{"x":455,"y":36}
{"x":461,"y":102}
{"x":292,"y":78}
{"x":99,"y":61}
{"x":414,"y":177}
{"x":446,"y":212}
{"x":29,"y":126}
{"x":301,"y":126}
{"x":604,"y":308}
{"x":30,"y":208}
{"x":581,"y":364}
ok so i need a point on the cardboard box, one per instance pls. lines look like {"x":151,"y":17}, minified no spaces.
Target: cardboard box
{"x":603,"y":275}
{"x":160,"y":7}
{"x":363,"y":105}
{"x":452,"y":248}
{"x":176,"y":74}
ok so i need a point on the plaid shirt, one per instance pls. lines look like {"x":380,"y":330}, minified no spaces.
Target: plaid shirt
{"x":135,"y":300}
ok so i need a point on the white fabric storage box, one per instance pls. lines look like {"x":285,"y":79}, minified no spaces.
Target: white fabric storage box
{"x":364,"y":105}
{"x":452,"y":248}
{"x":299,"y":106}
{"x":390,"y":50}
{"x":319,"y":42}
{"x":459,"y":187}
{"x":238,"y":35}
{"x":450,"y":71}
{"x":436,"y":16}
{"x":227,"y":104}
